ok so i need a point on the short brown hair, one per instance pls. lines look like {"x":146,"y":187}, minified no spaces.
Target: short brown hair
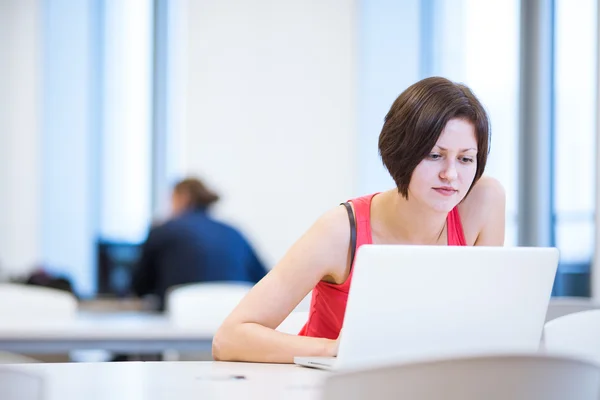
{"x":416,"y":120}
{"x":200,"y":197}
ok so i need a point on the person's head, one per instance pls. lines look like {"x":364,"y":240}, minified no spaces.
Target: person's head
{"x":191,"y":194}
{"x":435,"y":137}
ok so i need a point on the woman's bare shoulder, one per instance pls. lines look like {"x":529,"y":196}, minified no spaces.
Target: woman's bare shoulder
{"x":485,"y":202}
{"x":333,"y":224}
{"x":325,"y":245}
{"x":487,"y":191}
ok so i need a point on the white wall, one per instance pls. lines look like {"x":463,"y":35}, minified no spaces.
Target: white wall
{"x":389,"y":42}
{"x":19,"y":139}
{"x":272,"y":111}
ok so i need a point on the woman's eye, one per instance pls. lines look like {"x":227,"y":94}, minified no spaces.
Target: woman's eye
{"x":467,"y":159}
{"x":434,"y":156}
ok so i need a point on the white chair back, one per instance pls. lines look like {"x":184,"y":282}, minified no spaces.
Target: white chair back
{"x":297,"y":318}
{"x":304,"y":305}
{"x":502,"y":377}
{"x":33,"y":304}
{"x":204,"y":305}
{"x":560,"y":306}
{"x":294,"y":322}
{"x":575,"y":334}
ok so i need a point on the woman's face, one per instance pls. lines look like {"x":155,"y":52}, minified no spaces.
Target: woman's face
{"x":444,"y":177}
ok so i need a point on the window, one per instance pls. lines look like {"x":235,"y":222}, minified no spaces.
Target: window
{"x":127,"y":120}
{"x":574,"y":141}
{"x":477,"y":43}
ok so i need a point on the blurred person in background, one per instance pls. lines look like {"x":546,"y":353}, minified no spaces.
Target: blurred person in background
{"x":192,"y":247}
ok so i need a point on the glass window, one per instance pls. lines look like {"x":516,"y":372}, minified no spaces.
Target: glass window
{"x":127,"y":120}
{"x":477,"y":42}
{"x":574,"y":141}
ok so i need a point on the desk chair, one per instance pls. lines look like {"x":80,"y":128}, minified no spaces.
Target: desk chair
{"x":297,"y":318}
{"x":293,"y":323}
{"x":26,"y":304}
{"x":560,"y":306}
{"x":575,"y":334}
{"x":501,"y":377}
{"x":202,"y":304}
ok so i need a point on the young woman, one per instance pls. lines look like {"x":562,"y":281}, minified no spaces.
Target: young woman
{"x":434,"y":143}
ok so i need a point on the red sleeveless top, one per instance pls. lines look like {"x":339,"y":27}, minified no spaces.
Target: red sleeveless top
{"x":328,"y":302}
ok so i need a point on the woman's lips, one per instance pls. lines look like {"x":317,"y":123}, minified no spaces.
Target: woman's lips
{"x":445,"y":191}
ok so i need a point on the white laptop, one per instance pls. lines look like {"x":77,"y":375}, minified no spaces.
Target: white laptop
{"x":409,"y":303}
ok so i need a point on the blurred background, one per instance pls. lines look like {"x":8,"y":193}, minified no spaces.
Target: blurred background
{"x":277,"y":106}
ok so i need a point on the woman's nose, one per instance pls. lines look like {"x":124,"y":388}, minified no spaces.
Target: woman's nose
{"x":449,"y":172}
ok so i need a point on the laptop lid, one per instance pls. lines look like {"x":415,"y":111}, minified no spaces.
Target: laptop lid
{"x":417,"y":302}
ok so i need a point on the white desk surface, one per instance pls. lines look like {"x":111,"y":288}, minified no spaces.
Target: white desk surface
{"x":160,"y":380}
{"x":135,"y":332}
{"x":140,"y":332}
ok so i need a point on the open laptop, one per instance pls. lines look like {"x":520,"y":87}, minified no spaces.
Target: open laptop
{"x":409,"y":303}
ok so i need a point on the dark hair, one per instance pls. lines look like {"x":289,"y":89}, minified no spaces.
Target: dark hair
{"x":199,"y":196}
{"x":416,"y":120}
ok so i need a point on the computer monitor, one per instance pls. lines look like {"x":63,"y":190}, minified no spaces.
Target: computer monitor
{"x":116,"y":262}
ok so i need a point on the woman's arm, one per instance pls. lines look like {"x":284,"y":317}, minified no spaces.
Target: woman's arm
{"x":249,"y":334}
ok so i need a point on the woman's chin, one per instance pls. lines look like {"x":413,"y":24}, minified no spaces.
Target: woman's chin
{"x":443,"y":206}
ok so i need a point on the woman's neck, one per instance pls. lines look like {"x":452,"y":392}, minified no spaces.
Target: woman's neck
{"x":406,"y":221}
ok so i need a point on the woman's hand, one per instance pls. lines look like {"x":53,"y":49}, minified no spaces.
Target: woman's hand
{"x":335,"y":346}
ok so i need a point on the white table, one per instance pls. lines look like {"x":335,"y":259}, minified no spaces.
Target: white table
{"x":161,"y":380}
{"x":128,"y":332}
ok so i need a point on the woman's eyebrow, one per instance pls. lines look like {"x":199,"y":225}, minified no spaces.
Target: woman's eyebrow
{"x":460,"y":150}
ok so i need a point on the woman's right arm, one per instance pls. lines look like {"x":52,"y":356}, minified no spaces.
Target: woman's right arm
{"x":249,"y":334}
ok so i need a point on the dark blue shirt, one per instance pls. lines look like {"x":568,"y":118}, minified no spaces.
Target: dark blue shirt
{"x":194,"y":248}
